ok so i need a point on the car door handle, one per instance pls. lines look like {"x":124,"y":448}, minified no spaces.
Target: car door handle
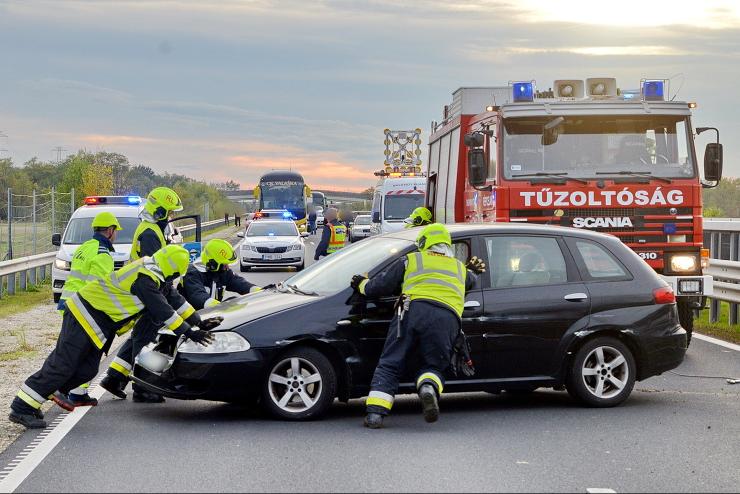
{"x":471,"y":304}
{"x":576,"y":297}
{"x":344,"y":322}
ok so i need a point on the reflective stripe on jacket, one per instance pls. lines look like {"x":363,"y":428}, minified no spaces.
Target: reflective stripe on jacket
{"x":136,"y":244}
{"x":337,"y":238}
{"x":91,"y":261}
{"x":431,"y":276}
{"x":112,"y":296}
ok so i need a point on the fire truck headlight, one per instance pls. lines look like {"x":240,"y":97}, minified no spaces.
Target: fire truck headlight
{"x":684,"y":263}
{"x":676,"y":238}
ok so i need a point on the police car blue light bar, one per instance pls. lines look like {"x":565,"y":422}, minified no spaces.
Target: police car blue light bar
{"x":134,"y":200}
{"x":523,"y":91}
{"x":100,"y":200}
{"x":653,"y":89}
{"x":287,"y":214}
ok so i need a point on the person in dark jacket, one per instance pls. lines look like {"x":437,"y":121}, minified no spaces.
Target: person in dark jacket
{"x":312,"y":221}
{"x":333,"y":236}
{"x":433,"y":284}
{"x":205,"y":282}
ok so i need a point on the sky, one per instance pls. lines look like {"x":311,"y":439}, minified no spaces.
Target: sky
{"x":226,"y":90}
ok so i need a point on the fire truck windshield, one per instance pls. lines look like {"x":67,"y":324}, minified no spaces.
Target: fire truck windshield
{"x":590,"y":146}
{"x":399,"y":207}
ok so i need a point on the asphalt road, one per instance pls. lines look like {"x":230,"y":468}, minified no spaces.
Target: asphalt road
{"x":674,"y":434}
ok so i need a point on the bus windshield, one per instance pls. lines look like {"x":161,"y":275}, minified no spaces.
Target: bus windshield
{"x":598,"y":146}
{"x":283,"y":195}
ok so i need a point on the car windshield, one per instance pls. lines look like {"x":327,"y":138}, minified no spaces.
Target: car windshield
{"x":362,"y":220}
{"x":272,"y":229}
{"x":79,"y":230}
{"x":399,"y":207}
{"x":334,"y":273}
{"x":593,"y":146}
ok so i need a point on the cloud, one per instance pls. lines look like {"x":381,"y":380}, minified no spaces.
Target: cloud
{"x":79,"y":88}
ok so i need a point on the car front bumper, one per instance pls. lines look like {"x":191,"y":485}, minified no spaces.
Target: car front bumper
{"x":227,"y":377}
{"x":293,"y":260}
{"x":58,"y":277}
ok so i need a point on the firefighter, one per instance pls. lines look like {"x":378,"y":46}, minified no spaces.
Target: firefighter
{"x":206,"y":280}
{"x":419,"y":217}
{"x":92,"y":318}
{"x":148,"y":238}
{"x":432,"y":283}
{"x":333,"y":236}
{"x":91,"y":261}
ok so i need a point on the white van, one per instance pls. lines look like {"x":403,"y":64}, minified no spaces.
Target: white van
{"x":394,"y":200}
{"x":79,"y":231}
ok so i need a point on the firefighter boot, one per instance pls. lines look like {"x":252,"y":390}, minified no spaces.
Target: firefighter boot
{"x":373,"y":421}
{"x":429,"y":404}
{"x":27,"y":420}
{"x":114,"y":386}
{"x":82,"y":400}
{"x":63,"y":401}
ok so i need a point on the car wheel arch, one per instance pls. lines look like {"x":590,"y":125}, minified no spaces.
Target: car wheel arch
{"x":586,"y":335}
{"x":341,"y":368}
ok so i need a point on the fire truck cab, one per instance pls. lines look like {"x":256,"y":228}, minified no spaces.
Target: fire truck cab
{"x":585,"y":155}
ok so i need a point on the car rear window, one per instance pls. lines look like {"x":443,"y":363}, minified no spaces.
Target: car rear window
{"x":598,"y":262}
{"x":525,"y":261}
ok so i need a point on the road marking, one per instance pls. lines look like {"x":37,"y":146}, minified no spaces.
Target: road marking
{"x":31,"y":457}
{"x":709,"y":339}
{"x":600,"y":490}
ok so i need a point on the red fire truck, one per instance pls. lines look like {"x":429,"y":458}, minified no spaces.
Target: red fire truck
{"x":582,"y":154}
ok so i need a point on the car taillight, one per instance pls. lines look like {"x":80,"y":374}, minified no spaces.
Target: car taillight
{"x":664,"y":295}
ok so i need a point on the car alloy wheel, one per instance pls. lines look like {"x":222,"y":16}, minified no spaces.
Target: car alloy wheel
{"x":295,"y":385}
{"x":605,"y":372}
{"x":301,"y":385}
{"x":602,"y":373}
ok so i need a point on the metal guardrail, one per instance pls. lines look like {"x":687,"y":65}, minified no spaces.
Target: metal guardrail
{"x":722,"y":236}
{"x":18,"y":274}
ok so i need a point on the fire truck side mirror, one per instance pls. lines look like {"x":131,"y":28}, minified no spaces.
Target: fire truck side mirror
{"x":376,"y":216}
{"x":477,"y":169}
{"x":713,"y":162}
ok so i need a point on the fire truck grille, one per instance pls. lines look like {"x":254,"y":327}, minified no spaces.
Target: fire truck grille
{"x":600,"y":213}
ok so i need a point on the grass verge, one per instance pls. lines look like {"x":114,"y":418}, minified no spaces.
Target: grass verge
{"x":22,"y":301}
{"x":721,"y":329}
{"x":191,"y":237}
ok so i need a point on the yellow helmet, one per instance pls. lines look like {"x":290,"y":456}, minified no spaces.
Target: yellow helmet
{"x":173,"y":260}
{"x":161,"y":201}
{"x":433,"y":234}
{"x":106,"y":219}
{"x":419,"y":217}
{"x":218,"y":253}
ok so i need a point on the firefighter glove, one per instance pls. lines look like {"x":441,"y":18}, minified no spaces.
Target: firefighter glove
{"x":356,"y":280}
{"x":199,"y":336}
{"x":210,"y":323}
{"x":476,"y":265}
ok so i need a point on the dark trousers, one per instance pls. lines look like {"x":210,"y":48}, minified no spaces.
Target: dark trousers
{"x":74,"y":361}
{"x":144,"y":332}
{"x":428,"y":333}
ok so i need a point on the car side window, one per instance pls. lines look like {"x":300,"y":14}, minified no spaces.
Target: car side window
{"x":525,"y":261}
{"x":598,"y":262}
{"x":462,"y":250}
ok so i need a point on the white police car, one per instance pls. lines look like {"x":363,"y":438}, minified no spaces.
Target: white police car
{"x":79,"y":231}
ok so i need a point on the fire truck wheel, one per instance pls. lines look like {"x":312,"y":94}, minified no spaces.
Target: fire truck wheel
{"x":686,"y":318}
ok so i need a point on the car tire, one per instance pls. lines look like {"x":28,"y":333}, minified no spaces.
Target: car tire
{"x":602,"y":373}
{"x":300,"y":268}
{"x":244,"y":269}
{"x":686,"y":318}
{"x":289,"y":398}
{"x":57,"y":297}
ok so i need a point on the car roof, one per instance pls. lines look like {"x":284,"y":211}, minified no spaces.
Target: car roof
{"x":121,"y":211}
{"x":463,"y":229}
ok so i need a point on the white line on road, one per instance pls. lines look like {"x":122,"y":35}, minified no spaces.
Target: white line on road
{"x":600,"y":490}
{"x":26,"y":462}
{"x":709,"y":339}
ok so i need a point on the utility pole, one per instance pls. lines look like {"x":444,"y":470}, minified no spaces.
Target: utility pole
{"x":59,"y":150}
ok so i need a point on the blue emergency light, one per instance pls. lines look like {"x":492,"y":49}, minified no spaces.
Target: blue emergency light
{"x":653,"y":90}
{"x":134,"y":200}
{"x":287,"y":214}
{"x":523,"y":92}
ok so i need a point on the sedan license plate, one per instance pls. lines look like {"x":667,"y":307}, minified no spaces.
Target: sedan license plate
{"x":271,"y":257}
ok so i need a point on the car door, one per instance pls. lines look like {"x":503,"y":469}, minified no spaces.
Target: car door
{"x":533,"y":296}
